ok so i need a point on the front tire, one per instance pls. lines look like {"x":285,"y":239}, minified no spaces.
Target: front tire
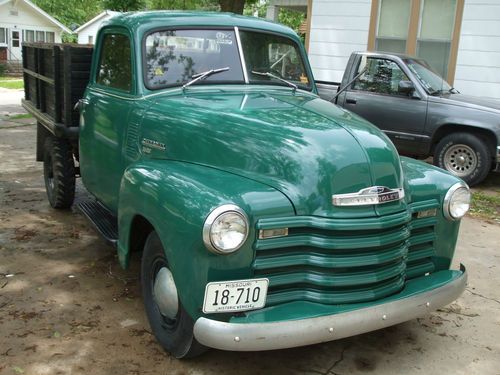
{"x":59,"y":172}
{"x":170,"y":323}
{"x":464,"y":155}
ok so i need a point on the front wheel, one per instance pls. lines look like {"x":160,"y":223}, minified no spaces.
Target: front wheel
{"x":170,"y":323}
{"x":464,"y":155}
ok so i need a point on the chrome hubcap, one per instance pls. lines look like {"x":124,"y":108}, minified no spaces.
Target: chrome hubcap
{"x":165,"y":293}
{"x":460,"y":160}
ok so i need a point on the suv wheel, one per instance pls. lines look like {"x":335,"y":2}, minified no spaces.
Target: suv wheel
{"x":59,"y":172}
{"x":170,"y":323}
{"x":464,"y":155}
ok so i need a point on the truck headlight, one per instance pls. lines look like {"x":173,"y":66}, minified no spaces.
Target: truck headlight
{"x":456,"y":201}
{"x":225,"y":229}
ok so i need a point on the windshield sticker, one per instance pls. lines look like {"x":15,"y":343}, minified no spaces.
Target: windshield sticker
{"x":223,"y":38}
{"x":303,"y":79}
{"x":159,"y":71}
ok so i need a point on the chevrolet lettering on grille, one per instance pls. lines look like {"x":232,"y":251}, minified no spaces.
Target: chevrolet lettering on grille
{"x":367,"y":196}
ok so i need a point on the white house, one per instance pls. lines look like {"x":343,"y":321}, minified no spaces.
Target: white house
{"x":459,"y":38}
{"x":88,"y":31}
{"x":22,"y":21}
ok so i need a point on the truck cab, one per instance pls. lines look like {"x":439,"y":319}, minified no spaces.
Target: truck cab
{"x":267,"y":217}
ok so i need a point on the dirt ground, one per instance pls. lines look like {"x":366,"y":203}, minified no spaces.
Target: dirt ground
{"x":66,"y":307}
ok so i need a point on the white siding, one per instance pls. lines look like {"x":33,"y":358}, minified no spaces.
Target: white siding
{"x":92,"y":29}
{"x":338,"y":28}
{"x":478,"y":61}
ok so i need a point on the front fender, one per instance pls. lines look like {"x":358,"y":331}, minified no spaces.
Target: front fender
{"x":176,"y":198}
{"x":427,"y":183}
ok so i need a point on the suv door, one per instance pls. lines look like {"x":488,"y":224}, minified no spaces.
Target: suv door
{"x":376,"y":96}
{"x":108,"y":104}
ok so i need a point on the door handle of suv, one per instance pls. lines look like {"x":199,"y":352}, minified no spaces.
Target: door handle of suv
{"x":351,"y":101}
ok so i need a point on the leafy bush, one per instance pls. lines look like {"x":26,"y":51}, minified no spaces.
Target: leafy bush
{"x":3,"y":68}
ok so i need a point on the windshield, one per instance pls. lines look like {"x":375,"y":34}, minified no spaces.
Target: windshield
{"x":175,"y":57}
{"x":432,"y":82}
{"x":270,"y":53}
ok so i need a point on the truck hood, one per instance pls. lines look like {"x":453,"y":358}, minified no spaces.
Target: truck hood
{"x":482,"y":104}
{"x":307,"y":148}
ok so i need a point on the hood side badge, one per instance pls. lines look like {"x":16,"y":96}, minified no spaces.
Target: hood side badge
{"x":368,"y":196}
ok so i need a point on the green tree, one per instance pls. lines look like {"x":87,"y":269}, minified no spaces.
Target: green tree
{"x":124,"y":5}
{"x":78,"y":13}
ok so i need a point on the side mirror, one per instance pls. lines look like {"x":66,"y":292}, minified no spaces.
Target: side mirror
{"x":406,"y":87}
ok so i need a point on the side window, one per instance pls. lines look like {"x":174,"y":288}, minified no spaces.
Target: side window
{"x":115,"y":65}
{"x":381,"y":76}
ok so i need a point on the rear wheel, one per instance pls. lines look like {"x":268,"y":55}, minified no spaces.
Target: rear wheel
{"x":59,"y":172}
{"x":170,"y":323}
{"x":464,"y":155}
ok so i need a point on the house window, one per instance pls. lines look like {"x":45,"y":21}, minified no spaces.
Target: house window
{"x":423,"y":28}
{"x":3,"y":35}
{"x":91,"y":39}
{"x":393,"y":21}
{"x":437,"y":18}
{"x":49,"y":37}
{"x":40,"y":36}
{"x":29,"y":36}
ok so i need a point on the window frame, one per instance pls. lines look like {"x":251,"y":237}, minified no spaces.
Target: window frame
{"x":411,"y":44}
{"x":97,"y":58}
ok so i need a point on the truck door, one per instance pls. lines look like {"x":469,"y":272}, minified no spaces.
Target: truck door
{"x":377,"y":96}
{"x":106,"y":110}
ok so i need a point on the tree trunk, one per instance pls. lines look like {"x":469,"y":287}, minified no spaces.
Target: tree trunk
{"x":235,"y":6}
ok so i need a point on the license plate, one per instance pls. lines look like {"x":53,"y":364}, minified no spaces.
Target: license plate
{"x":238,"y":295}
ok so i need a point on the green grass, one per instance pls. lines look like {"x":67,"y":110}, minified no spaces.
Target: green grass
{"x":11,"y":83}
{"x":20,"y":116}
{"x":486,"y":206}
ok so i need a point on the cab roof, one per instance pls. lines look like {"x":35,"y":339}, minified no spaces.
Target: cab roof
{"x":141,"y":22}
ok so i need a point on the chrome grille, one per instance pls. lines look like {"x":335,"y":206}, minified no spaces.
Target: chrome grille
{"x":333,"y":261}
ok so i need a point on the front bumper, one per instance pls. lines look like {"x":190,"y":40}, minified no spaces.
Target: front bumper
{"x":292,"y":333}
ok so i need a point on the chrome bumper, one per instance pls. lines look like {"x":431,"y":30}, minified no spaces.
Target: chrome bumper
{"x":288,"y":334}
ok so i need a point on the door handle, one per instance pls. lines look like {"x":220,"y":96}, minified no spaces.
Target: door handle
{"x":80,"y":104}
{"x":351,"y":101}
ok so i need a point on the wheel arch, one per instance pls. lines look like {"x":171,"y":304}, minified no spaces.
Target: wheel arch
{"x":486,"y":135}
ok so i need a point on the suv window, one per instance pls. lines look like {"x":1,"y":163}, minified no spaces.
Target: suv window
{"x":381,"y":76}
{"x":115,"y":64}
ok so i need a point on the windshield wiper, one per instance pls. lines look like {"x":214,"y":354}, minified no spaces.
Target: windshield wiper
{"x":203,"y":75}
{"x":267,"y":74}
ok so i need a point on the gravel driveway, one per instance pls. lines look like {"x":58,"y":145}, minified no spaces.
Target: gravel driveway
{"x":67,"y":307}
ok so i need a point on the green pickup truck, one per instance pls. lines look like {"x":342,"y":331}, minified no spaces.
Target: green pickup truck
{"x":267,"y":217}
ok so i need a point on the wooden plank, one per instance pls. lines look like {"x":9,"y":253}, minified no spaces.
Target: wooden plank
{"x":67,"y":86}
{"x":39,"y":76}
{"x":57,"y":84}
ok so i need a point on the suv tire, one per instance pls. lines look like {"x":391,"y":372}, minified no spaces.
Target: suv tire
{"x":59,"y":172}
{"x":464,"y":155}
{"x":173,"y":330}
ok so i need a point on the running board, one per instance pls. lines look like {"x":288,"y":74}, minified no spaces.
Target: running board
{"x":104,"y":221}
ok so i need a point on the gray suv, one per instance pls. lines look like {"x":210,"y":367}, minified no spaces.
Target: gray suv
{"x":421,"y":113}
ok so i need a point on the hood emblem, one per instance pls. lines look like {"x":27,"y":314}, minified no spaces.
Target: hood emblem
{"x":371,"y":195}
